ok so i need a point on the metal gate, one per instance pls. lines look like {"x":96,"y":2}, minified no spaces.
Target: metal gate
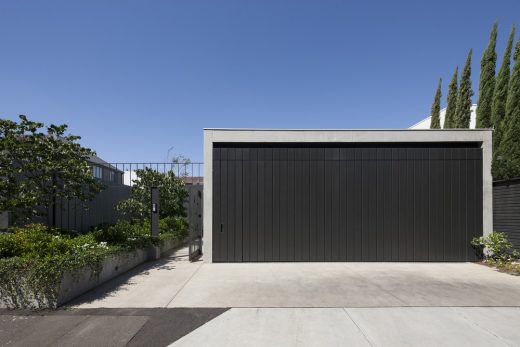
{"x":346,"y":202}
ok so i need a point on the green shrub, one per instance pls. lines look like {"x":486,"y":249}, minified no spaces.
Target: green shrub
{"x":496,"y":246}
{"x":178,"y":226}
{"x":38,"y":241}
{"x":10,"y":246}
{"x":34,"y":258}
{"x":128,"y":234}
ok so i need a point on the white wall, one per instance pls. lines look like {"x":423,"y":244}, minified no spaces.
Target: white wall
{"x":425,"y":123}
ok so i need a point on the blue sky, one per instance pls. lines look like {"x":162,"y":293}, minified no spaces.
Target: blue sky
{"x":135,"y":78}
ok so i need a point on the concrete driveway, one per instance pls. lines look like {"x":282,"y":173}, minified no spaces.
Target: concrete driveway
{"x":316,"y":304}
{"x":173,"y":282}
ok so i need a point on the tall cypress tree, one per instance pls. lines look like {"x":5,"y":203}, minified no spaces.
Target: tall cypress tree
{"x":510,"y":143}
{"x":435,"y":116}
{"x":499,"y":101}
{"x":449,"y":119}
{"x":463,"y":111}
{"x":487,"y":81}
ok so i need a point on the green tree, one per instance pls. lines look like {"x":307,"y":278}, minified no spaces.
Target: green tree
{"x":499,"y":101}
{"x":436,"y":108}
{"x":463,"y":111}
{"x":510,"y":142}
{"x":487,"y":82}
{"x":449,"y":119}
{"x":172,"y":190}
{"x":39,"y":167}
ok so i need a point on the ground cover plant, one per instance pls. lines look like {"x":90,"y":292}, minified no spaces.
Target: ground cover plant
{"x":34,"y":258}
{"x":497,"y":251}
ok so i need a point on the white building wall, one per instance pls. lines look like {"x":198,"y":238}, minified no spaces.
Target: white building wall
{"x":425,"y":123}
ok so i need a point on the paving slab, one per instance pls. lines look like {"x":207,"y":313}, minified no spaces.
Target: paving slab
{"x":277,"y":327}
{"x":428,"y":326}
{"x":391,"y":326}
{"x":502,"y":322}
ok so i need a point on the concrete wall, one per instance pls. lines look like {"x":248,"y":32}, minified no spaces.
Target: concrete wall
{"x":483,"y":136}
{"x":75,"y":284}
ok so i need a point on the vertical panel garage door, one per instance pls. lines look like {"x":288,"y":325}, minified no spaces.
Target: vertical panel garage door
{"x":346,"y":202}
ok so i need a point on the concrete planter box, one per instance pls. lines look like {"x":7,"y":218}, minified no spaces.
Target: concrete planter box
{"x":74,"y":284}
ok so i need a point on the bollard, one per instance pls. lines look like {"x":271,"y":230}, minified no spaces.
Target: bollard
{"x":154,"y":212}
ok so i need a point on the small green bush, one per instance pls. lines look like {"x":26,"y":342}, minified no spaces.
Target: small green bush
{"x":123,"y":232}
{"x":178,"y":226}
{"x":10,"y":245}
{"x":37,"y":241}
{"x":496,"y":246}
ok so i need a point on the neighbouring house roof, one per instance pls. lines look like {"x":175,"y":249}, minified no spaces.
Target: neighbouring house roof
{"x":98,"y":161}
{"x":425,"y":123}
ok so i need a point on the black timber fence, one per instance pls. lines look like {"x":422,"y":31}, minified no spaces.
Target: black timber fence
{"x":506,"y":209}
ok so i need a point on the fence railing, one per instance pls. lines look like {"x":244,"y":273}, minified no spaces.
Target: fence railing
{"x":125,"y":173}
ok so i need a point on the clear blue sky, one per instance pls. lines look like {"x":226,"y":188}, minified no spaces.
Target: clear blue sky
{"x":135,"y":78}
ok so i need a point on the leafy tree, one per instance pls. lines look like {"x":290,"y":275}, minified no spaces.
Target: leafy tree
{"x":487,"y":82}
{"x":499,"y":101}
{"x":449,"y":119}
{"x":182,"y":164}
{"x":510,"y":143}
{"x":463,"y":111}
{"x":173,"y":193}
{"x":436,"y":108}
{"x":39,"y":167}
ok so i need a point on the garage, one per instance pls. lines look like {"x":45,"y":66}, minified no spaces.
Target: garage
{"x":345,"y":196}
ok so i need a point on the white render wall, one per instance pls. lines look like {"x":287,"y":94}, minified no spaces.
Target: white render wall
{"x":338,"y":136}
{"x":425,"y":123}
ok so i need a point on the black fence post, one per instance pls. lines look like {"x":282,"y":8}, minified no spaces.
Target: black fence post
{"x":154,"y":212}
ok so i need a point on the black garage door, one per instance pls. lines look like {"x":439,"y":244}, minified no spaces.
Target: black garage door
{"x":346,"y":202}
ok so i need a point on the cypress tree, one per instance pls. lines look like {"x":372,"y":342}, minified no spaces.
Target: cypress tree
{"x":499,"y":101}
{"x":463,"y":111}
{"x":435,"y":117}
{"x":452,"y":101}
{"x":510,"y":142}
{"x":487,"y":82}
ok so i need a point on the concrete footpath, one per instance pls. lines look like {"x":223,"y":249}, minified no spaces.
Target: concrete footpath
{"x":403,"y":326}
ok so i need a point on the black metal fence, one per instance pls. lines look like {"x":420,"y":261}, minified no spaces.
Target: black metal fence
{"x":118,"y":179}
{"x":191,"y":173}
{"x":506,"y":209}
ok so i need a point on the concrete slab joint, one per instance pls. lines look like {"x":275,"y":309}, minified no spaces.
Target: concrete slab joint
{"x":211,"y":136}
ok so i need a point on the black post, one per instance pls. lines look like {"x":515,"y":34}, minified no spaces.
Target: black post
{"x":154,"y":212}
{"x":53,"y":220}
